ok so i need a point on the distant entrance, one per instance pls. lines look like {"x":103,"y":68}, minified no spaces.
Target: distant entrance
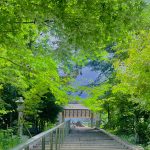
{"x":78,"y":113}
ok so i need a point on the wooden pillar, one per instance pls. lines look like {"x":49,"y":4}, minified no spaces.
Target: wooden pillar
{"x":97,"y":120}
{"x":61,"y":117}
{"x":92,"y":119}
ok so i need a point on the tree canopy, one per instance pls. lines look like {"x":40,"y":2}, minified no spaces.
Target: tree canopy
{"x":39,"y":39}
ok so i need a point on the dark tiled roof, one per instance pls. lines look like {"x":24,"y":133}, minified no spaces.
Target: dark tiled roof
{"x":75,"y":106}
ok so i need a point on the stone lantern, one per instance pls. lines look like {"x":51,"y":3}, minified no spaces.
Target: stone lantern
{"x":20,"y":109}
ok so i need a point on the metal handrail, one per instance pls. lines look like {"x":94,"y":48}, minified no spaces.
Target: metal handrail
{"x":54,"y":137}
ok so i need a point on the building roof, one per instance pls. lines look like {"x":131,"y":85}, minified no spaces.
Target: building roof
{"x":75,"y":106}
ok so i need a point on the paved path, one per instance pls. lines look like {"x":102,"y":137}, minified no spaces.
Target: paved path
{"x":84,"y":138}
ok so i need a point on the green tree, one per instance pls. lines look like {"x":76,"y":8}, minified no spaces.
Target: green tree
{"x":133,"y":72}
{"x":83,"y":30}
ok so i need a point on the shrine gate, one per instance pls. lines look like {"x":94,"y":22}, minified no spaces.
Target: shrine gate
{"x":78,"y":111}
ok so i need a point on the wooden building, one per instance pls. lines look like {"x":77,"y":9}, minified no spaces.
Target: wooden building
{"x":77,"y":111}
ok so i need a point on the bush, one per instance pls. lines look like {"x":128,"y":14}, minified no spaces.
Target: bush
{"x":8,"y":140}
{"x":147,"y":147}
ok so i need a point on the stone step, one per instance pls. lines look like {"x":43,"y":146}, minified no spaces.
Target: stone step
{"x":91,"y":149}
{"x":82,"y":149}
{"x":92,"y":146}
{"x":90,"y":139}
{"x":87,"y":144}
{"x":85,"y":139}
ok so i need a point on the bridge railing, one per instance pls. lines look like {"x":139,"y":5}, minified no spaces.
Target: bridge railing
{"x":48,"y":140}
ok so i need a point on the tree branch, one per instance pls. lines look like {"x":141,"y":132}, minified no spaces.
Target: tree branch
{"x":33,"y":22}
{"x":10,"y":61}
{"x":26,"y":22}
{"x":27,"y":68}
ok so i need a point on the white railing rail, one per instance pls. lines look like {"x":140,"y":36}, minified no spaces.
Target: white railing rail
{"x":50,"y":139}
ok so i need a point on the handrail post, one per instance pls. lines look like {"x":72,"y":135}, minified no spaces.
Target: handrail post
{"x":63,"y":132}
{"x":56,"y":139}
{"x":69,"y":126}
{"x":65,"y":129}
{"x":59,"y":136}
{"x":27,"y":148}
{"x":51,"y":141}
{"x":43,"y":143}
